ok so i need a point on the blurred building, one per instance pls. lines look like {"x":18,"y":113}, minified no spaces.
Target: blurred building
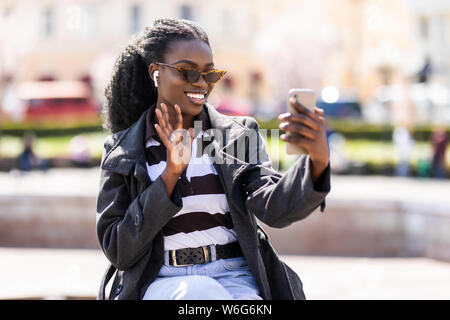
{"x":79,"y":40}
{"x":431,"y":29}
{"x":267,"y":46}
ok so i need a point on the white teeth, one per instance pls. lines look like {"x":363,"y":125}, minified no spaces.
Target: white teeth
{"x":195,"y":95}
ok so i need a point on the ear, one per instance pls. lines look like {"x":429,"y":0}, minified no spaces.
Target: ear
{"x":151,"y":69}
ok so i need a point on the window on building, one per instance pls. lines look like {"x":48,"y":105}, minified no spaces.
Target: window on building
{"x":186,"y":12}
{"x":73,"y":17}
{"x":47,"y":22}
{"x":2,"y":14}
{"x":82,"y":20}
{"x":90,"y":21}
{"x":424,"y":28}
{"x":446,"y":31}
{"x":135,"y":18}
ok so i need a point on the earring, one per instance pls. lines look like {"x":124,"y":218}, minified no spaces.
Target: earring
{"x":155,"y":77}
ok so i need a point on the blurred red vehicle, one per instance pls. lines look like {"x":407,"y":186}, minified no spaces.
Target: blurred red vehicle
{"x":55,"y":101}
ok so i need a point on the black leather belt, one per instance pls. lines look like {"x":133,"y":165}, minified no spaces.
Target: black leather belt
{"x":200,"y":255}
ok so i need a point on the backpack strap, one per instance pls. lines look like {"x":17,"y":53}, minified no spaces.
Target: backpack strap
{"x":106,"y":278}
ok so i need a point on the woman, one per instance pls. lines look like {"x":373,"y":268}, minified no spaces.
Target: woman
{"x":176,"y":216}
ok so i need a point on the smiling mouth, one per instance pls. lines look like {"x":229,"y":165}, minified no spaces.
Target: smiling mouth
{"x":196,"y":97}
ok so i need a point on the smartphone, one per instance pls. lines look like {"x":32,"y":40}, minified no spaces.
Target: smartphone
{"x":307,"y":98}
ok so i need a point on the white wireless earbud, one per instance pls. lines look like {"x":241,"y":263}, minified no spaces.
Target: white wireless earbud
{"x":155,"y":77}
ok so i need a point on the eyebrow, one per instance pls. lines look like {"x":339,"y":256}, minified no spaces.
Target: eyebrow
{"x":193,"y":63}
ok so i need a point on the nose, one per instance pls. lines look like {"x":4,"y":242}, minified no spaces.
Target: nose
{"x":201,"y":82}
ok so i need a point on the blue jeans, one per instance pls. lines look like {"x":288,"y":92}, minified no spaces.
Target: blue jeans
{"x":218,"y":280}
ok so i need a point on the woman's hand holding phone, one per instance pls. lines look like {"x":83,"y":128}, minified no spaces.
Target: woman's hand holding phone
{"x":309,"y":132}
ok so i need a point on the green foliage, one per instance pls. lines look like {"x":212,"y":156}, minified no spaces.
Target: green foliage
{"x":357,"y":129}
{"x":52,"y":146}
{"x":50,"y":129}
{"x":368,"y":146}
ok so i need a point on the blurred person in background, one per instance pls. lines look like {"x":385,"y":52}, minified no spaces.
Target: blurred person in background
{"x":174,"y":223}
{"x":337,"y":152}
{"x":79,"y":151}
{"x":404,"y":145}
{"x":27,"y":159}
{"x":439,"y":143}
{"x":425,"y":73}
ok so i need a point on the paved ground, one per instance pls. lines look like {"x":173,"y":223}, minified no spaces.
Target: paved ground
{"x":55,"y":274}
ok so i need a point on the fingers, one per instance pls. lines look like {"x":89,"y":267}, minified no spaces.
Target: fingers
{"x":298,"y":129}
{"x":162,"y":123}
{"x":166,"y":117}
{"x":163,"y":137}
{"x":321,"y":115}
{"x":302,"y":109}
{"x":165,"y":113}
{"x":297,"y":140}
{"x":315,"y":121}
{"x":302,"y":124}
{"x":179,"y":123}
{"x":319,"y":111}
{"x":304,"y":127}
{"x":299,"y":118}
{"x":169,"y":126}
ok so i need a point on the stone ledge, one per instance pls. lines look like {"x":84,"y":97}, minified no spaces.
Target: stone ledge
{"x":346,"y":228}
{"x":48,"y":222}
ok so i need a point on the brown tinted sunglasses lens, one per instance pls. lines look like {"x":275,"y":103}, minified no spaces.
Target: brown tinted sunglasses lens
{"x":192,"y":76}
{"x":213,"y":76}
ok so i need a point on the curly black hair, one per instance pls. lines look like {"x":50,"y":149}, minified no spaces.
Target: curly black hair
{"x":131,"y":91}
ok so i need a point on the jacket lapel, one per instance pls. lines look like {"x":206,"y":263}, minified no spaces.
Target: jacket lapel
{"x":230,"y":166}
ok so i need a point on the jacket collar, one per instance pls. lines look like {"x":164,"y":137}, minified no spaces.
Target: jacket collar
{"x":128,"y":146}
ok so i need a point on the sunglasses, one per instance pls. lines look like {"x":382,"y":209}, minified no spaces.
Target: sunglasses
{"x":192,"y":76}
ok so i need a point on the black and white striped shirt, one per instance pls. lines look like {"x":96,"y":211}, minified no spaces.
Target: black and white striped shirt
{"x":205,"y":216}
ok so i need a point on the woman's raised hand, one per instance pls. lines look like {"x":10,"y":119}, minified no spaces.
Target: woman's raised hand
{"x":178,"y":141}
